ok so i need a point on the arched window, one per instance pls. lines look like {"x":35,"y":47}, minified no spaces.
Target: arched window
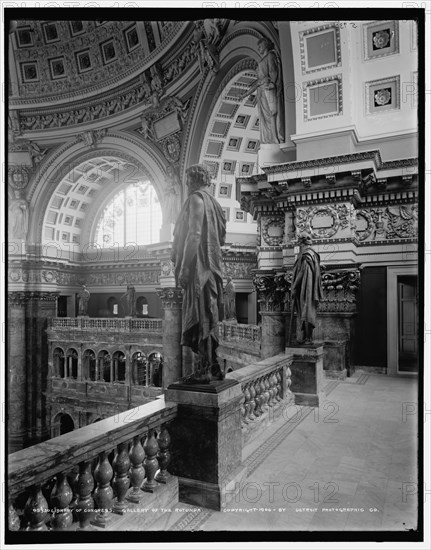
{"x":58,"y":359}
{"x":139,"y":368}
{"x":142,"y":306}
{"x":89,"y":365}
{"x":155,"y":361}
{"x":104,"y":366}
{"x":72,"y":363}
{"x":62,"y":424}
{"x":133,"y":216}
{"x":119,"y":360}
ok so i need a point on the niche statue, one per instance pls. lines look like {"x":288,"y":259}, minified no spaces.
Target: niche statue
{"x":83,"y":299}
{"x":269,"y":94}
{"x":306,"y":289}
{"x":198,"y":236}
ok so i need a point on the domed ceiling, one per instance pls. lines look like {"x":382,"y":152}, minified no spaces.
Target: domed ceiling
{"x":54,"y":57}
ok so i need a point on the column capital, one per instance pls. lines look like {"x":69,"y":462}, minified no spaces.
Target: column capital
{"x":171,"y":297}
{"x":271,"y":290}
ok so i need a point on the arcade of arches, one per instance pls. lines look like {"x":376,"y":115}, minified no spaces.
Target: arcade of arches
{"x":105,"y":117}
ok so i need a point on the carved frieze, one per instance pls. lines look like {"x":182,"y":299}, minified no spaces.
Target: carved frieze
{"x":387,"y":223}
{"x":239,"y":270}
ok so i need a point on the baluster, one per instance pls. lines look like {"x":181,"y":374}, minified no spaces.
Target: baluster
{"x":278,"y":385}
{"x":72,"y":478}
{"x":243,"y":406}
{"x":267,"y":393}
{"x":13,"y":519}
{"x":36,"y":510}
{"x":272,"y":389}
{"x":163,"y":456}
{"x":247,"y":403}
{"x":137,"y":472}
{"x":150,"y":463}
{"x":264,"y":394}
{"x":103,"y":494}
{"x":253,"y":402}
{"x":61,"y":497}
{"x":85,"y":502}
{"x":259,"y":397}
{"x":121,"y":483}
{"x":288,"y":379}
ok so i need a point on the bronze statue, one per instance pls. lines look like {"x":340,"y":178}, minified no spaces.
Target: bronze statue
{"x":83,"y":299}
{"x":269,"y":92}
{"x":229,"y":300}
{"x":198,"y":236}
{"x":130,"y":298}
{"x":306,"y":289}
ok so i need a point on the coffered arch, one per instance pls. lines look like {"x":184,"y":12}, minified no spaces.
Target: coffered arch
{"x":75,"y":163}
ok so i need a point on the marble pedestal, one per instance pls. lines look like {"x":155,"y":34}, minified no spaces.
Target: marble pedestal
{"x":307,"y":374}
{"x":206,"y":442}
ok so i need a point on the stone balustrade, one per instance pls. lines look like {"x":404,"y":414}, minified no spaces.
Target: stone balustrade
{"x":106,"y":324}
{"x":265,"y":387}
{"x":231,"y":332}
{"x":85,"y":479}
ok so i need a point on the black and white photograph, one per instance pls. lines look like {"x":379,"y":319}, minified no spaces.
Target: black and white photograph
{"x":216,"y":320}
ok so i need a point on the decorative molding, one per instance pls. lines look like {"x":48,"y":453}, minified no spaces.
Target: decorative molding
{"x":380,"y":39}
{"x":315,"y":31}
{"x":322,"y":83}
{"x":18,"y":176}
{"x":382,"y":95}
{"x":297,"y":166}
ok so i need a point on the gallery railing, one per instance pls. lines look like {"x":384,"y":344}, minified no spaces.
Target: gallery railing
{"x":265,"y":387}
{"x":108,"y":324}
{"x":77,"y":477}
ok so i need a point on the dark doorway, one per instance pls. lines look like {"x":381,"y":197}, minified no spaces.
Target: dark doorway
{"x":407,"y":324}
{"x":62,"y":306}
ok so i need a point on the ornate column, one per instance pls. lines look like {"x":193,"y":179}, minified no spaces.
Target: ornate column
{"x":172,"y":299}
{"x":17,"y":381}
{"x":270,"y":291}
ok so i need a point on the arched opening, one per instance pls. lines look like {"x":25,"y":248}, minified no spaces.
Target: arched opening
{"x":72,"y":363}
{"x":142,"y":307}
{"x":119,"y":364}
{"x":155,"y":363}
{"x":104,"y":366}
{"x":62,"y":424}
{"x":58,"y":363}
{"x":112,"y":304}
{"x":133,"y":215}
{"x":139,"y":369}
{"x":89,"y":365}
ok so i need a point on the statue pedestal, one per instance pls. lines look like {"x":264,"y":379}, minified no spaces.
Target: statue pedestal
{"x":271,"y":153}
{"x":307,"y":374}
{"x":206,"y":442}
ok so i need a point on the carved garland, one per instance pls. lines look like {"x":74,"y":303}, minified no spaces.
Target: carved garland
{"x":340,"y":220}
{"x":267,"y":224}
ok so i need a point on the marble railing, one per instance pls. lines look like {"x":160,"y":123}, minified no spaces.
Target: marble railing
{"x":75,"y":478}
{"x":265,"y":387}
{"x":108,"y":324}
{"x":235,"y":332}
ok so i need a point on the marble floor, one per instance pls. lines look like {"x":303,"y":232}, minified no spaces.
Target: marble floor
{"x":350,"y":465}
